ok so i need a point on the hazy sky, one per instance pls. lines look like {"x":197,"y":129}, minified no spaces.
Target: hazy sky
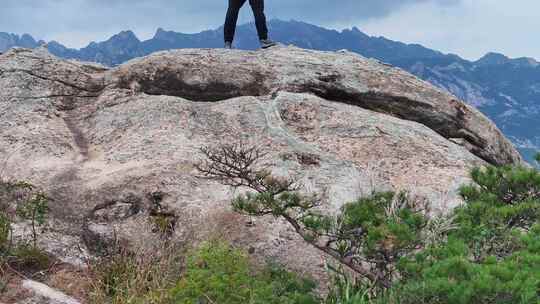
{"x":469,"y":28}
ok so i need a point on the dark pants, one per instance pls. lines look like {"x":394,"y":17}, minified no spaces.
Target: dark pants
{"x":232,"y":17}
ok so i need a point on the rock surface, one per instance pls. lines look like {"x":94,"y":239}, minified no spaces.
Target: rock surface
{"x":44,"y":294}
{"x":112,"y":145}
{"x":507,"y":90}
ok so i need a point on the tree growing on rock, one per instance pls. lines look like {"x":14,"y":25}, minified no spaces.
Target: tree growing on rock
{"x":485,"y":251}
{"x":493,"y":254}
{"x":369,"y":236}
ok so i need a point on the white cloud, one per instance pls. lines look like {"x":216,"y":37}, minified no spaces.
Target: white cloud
{"x":470,"y":29}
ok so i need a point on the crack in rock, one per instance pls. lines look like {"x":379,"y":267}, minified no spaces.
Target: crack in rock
{"x":96,"y":90}
{"x":52,"y":96}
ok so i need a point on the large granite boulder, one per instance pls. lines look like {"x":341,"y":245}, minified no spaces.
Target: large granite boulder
{"x":116,"y":147}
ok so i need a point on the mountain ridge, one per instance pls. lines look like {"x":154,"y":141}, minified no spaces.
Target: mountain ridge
{"x":27,"y":40}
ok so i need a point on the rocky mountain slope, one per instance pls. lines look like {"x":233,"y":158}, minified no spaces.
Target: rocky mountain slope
{"x":111,"y":145}
{"x":507,"y":90}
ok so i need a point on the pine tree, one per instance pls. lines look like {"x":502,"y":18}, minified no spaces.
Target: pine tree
{"x":486,"y":251}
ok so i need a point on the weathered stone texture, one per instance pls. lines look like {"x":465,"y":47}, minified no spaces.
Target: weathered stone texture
{"x":102,"y":142}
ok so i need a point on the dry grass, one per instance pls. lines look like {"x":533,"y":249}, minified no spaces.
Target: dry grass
{"x":11,"y":292}
{"x":136,"y":277}
{"x":72,"y":281}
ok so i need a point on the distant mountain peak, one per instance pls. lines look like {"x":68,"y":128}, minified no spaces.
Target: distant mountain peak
{"x":8,"y":41}
{"x":159,"y":31}
{"x":125,"y":35}
{"x":162,"y":34}
{"x":27,"y":37}
{"x":493,"y":58}
{"x":499,"y":59}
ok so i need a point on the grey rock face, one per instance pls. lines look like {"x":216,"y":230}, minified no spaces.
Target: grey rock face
{"x":504,"y":89}
{"x":46,"y":295}
{"x":113,"y":147}
{"x":343,"y":77}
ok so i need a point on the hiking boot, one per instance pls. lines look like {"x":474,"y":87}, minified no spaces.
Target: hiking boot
{"x":228,"y":45}
{"x":266,"y":43}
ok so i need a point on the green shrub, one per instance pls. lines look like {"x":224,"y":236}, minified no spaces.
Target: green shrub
{"x":7,"y":197}
{"x":501,"y":204}
{"x":5,"y":246}
{"x":288,"y":287}
{"x":215,"y":273}
{"x":28,"y":258}
{"x":344,"y":290}
{"x":449,"y":275}
{"x":5,"y":232}
{"x":35,"y":209}
{"x":29,"y":203}
{"x":219,"y":273}
{"x":493,"y":255}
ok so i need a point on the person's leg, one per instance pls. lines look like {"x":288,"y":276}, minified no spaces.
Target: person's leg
{"x":231,"y":19}
{"x":260,"y":19}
